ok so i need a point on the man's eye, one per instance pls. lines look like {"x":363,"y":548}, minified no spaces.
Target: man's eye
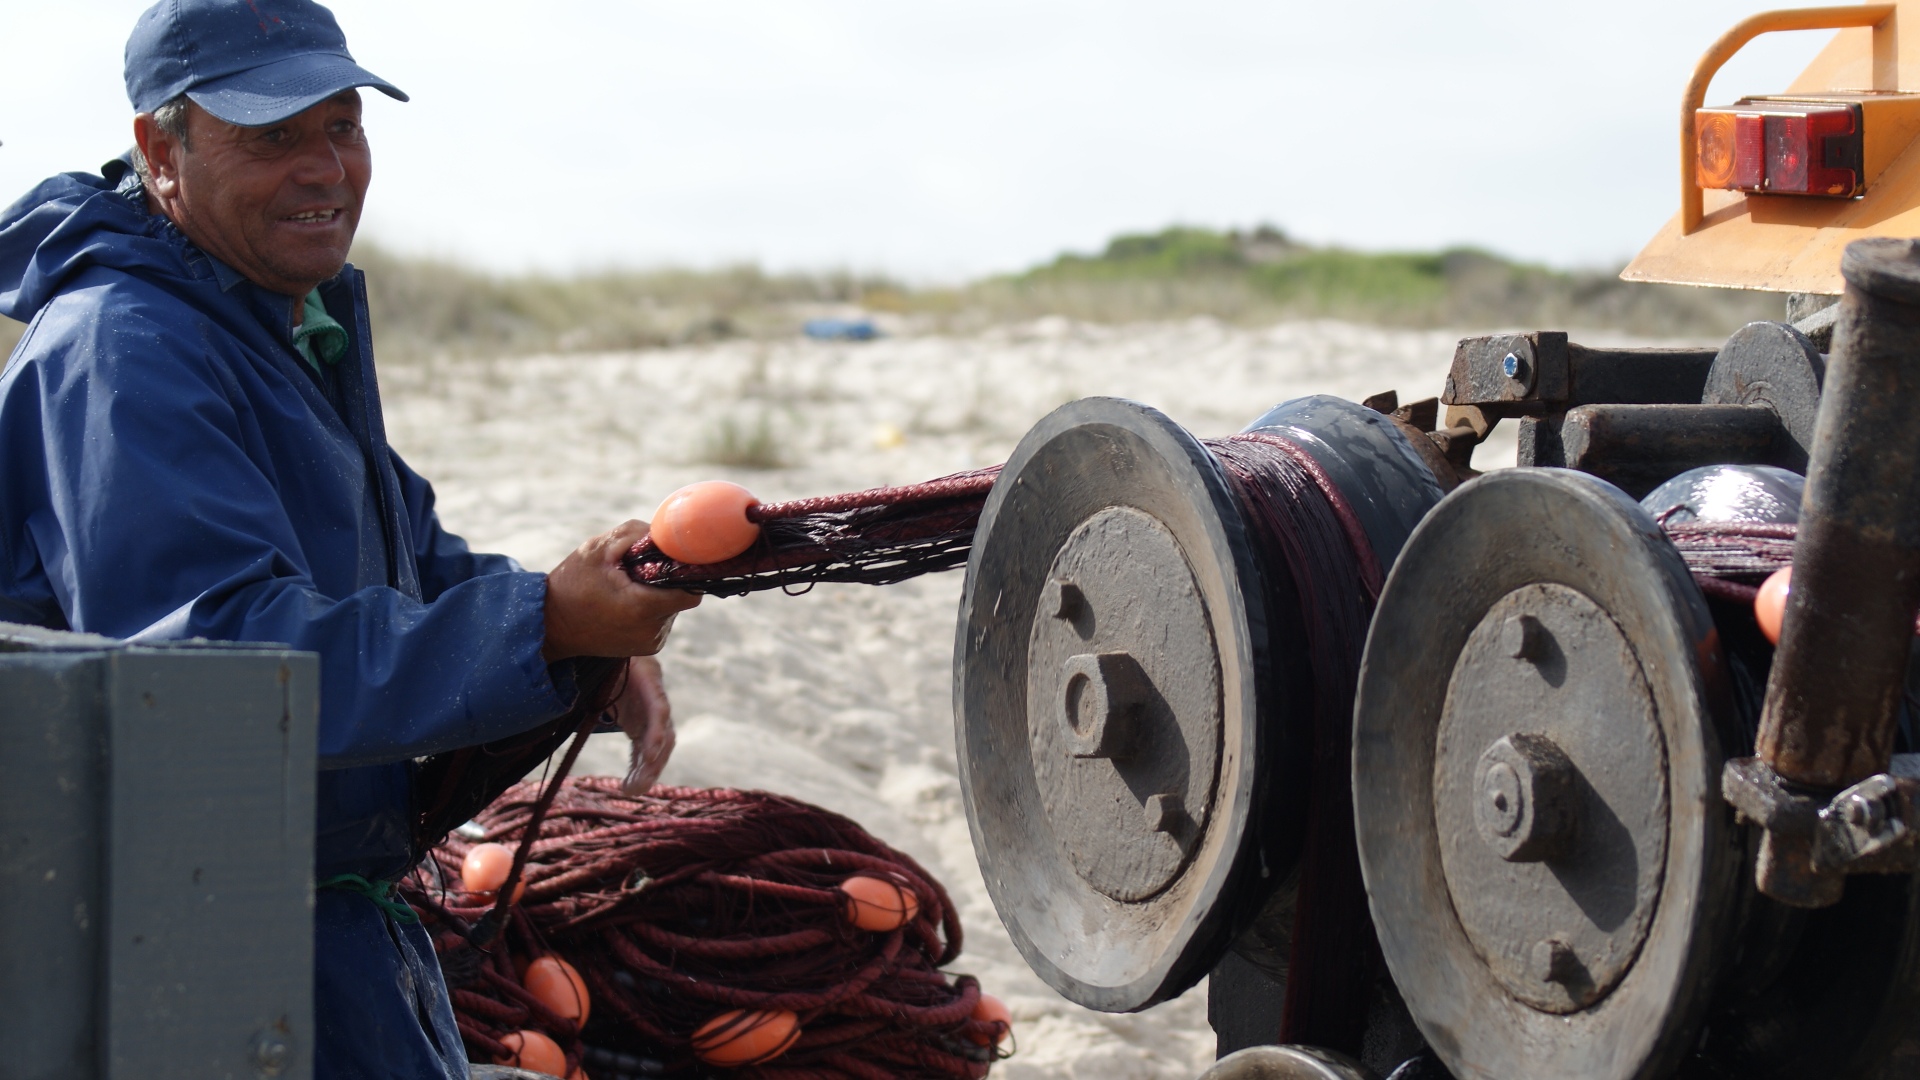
{"x":277,"y":135}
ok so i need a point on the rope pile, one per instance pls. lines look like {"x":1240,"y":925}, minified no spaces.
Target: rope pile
{"x":695,"y":919}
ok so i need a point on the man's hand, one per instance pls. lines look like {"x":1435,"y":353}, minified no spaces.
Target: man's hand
{"x":595,"y":609}
{"x":647,"y":718}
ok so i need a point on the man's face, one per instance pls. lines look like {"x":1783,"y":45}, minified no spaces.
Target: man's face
{"x":278,"y":203}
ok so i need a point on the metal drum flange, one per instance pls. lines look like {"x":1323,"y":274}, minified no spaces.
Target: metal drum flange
{"x":1772,"y":364}
{"x":1537,"y":750}
{"x":1383,"y":478}
{"x":1109,"y":673}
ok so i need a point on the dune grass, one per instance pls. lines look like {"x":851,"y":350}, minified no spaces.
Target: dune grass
{"x":1261,"y":275}
{"x":425,"y":306}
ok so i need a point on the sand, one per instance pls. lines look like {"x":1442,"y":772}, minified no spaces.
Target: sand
{"x":842,"y":696}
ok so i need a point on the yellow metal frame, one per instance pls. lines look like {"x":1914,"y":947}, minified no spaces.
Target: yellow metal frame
{"x":1876,"y":16}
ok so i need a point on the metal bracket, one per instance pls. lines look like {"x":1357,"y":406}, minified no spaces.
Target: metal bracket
{"x":1869,"y":828}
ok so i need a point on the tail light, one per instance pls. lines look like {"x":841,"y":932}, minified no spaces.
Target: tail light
{"x":1780,"y":148}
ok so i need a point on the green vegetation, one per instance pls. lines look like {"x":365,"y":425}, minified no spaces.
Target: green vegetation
{"x":1262,"y":275}
{"x":729,"y":441}
{"x":425,"y":306}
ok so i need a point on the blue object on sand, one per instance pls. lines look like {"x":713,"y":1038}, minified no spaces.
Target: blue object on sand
{"x":841,"y":330}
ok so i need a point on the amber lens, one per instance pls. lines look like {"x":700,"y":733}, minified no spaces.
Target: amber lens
{"x":1713,"y":164}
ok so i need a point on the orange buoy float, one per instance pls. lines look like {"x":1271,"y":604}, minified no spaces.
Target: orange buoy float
{"x":1770,"y":605}
{"x":877,"y":904}
{"x":559,"y":987}
{"x":485,"y":868}
{"x":991,"y":1010}
{"x":533,"y":1050}
{"x":705,"y":523}
{"x":746,"y":1037}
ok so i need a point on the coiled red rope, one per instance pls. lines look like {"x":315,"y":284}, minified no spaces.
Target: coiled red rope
{"x":682,"y":904}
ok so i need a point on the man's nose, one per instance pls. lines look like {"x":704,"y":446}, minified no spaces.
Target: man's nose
{"x":319,"y":164}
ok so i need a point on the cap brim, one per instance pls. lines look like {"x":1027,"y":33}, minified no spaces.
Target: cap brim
{"x":272,"y":92}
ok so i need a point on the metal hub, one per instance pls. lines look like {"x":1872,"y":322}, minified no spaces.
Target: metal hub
{"x":1123,"y":703}
{"x":1553,"y":838}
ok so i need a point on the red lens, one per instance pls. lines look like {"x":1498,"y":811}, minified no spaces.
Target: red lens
{"x":1750,"y":153}
{"x":1787,"y":150}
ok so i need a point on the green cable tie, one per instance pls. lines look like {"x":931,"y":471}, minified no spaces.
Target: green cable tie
{"x":380,"y":892}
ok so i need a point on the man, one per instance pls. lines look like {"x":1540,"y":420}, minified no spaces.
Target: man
{"x":191,"y":445}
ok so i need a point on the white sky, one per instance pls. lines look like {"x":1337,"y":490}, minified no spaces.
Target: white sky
{"x":944,"y":138}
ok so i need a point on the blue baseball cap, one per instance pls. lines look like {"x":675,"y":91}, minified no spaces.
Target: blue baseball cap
{"x":248,"y":62}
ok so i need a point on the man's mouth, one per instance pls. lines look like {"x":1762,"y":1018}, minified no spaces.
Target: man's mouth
{"x":313,"y":217}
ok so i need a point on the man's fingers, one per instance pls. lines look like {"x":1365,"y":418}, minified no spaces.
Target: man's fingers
{"x":624,"y":535}
{"x":647,"y":718}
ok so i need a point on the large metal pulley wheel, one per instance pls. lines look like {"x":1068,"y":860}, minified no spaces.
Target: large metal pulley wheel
{"x":1538,"y":741}
{"x":1108,"y":685}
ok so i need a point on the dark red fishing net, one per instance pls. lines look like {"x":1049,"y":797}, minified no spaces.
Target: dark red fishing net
{"x":684,"y":904}
{"x":875,"y":537}
{"x":890,"y":534}
{"x":1321,"y":575}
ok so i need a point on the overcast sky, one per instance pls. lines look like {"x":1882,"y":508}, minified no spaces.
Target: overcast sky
{"x":944,"y":138}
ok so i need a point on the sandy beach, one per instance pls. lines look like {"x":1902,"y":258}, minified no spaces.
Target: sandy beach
{"x":842,"y":696}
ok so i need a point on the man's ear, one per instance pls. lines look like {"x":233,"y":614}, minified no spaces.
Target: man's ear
{"x":162,"y":151}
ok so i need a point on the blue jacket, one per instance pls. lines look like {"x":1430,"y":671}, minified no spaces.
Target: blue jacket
{"x":170,"y":468}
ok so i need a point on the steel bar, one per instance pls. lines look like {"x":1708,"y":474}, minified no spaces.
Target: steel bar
{"x":1829,"y":716}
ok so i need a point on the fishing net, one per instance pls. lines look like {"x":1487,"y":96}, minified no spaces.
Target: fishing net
{"x":876,"y":537}
{"x":683,"y":905}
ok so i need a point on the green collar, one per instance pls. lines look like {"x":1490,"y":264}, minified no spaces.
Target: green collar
{"x":319,"y":337}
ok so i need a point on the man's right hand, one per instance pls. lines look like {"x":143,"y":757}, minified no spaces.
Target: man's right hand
{"x":595,"y":609}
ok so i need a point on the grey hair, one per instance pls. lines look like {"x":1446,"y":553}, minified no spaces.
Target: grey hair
{"x":170,"y":117}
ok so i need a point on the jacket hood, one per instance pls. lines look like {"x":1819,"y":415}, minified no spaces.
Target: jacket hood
{"x":75,"y":221}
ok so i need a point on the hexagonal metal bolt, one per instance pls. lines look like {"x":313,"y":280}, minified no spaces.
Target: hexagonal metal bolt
{"x":1524,"y":638}
{"x":1164,"y":812}
{"x":1526,"y":798}
{"x":1100,"y":696}
{"x":1554,"y":961}
{"x":1063,"y":599}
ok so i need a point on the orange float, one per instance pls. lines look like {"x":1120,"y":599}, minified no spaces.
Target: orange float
{"x":746,"y":1037}
{"x":485,"y":868}
{"x":877,"y":904}
{"x":991,"y":1010}
{"x":1770,"y":605}
{"x":533,"y":1050}
{"x":559,"y":987}
{"x":705,"y":522}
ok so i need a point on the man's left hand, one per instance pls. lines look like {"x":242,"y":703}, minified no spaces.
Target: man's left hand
{"x":644,"y":713}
